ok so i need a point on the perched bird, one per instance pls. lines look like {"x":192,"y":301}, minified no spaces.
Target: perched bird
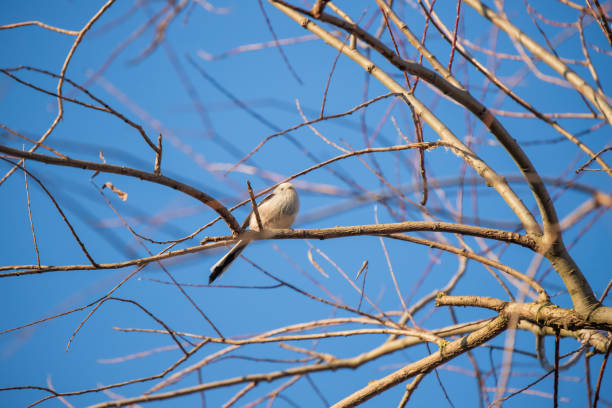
{"x":277,"y":210}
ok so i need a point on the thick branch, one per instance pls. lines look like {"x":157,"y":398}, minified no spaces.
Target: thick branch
{"x":583,"y":298}
{"x":322,"y":233}
{"x":544,"y":315}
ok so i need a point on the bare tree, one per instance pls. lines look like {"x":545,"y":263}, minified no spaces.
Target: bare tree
{"x":457,"y":158}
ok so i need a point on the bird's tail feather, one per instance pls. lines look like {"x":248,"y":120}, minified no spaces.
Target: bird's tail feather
{"x":224,"y":263}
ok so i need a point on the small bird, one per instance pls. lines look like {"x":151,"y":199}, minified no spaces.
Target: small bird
{"x":277,"y":210}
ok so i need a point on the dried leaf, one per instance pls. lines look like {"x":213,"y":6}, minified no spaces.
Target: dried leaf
{"x":102,"y":156}
{"x":121,"y":194}
{"x":363,"y":267}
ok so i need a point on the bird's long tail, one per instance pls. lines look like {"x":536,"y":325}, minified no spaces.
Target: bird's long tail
{"x":224,"y":263}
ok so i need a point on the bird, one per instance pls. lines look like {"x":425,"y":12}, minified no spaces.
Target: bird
{"x":277,"y":210}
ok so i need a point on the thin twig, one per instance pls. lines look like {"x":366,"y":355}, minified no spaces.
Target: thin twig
{"x":334,"y":116}
{"x":522,"y":389}
{"x":254,"y":206}
{"x":600,"y":376}
{"x":239,"y":394}
{"x":410,"y":389}
{"x":151,"y":315}
{"x":390,"y":266}
{"x":454,"y":43}
{"x":32,"y":140}
{"x":587,"y":379}
{"x":59,"y":209}
{"x":364,"y":266}
{"x":278,"y":45}
{"x":161,"y":265}
{"x":599,"y":153}
{"x":442,"y":387}
{"x":25,"y":175}
{"x":158,"y":156}
{"x":40,"y":24}
{"x":556,"y":370}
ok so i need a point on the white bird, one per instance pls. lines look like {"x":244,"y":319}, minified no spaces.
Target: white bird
{"x":277,"y":210}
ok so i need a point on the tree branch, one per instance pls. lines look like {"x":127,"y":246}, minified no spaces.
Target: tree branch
{"x":126,"y":171}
